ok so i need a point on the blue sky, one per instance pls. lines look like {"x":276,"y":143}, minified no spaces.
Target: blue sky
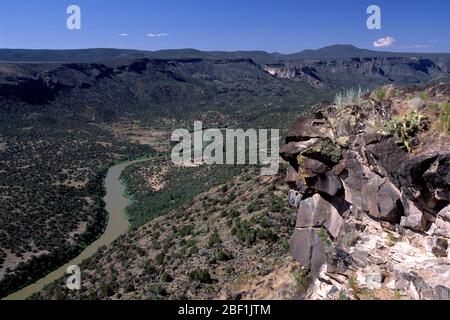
{"x":284,"y":26}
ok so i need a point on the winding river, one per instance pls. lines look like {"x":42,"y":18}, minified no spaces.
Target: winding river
{"x":117,"y":225}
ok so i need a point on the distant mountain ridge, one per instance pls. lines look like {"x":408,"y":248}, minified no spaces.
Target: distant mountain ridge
{"x":260,"y":57}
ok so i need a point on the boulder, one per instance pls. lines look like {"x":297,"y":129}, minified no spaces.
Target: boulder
{"x":308,"y":249}
{"x":414,"y":219}
{"x":317,"y":212}
{"x":439,"y":248}
{"x":389,"y":203}
{"x":384,"y":156}
{"x":379,"y":198}
{"x":354,"y":178}
{"x":370,"y":192}
{"x":292,"y":176}
{"x":329,"y":184}
{"x":312,"y":166}
{"x":291,"y":150}
{"x":345,"y":126}
{"x":325,"y":151}
{"x":442,"y":224}
{"x":437,"y":178}
{"x":310,"y":125}
{"x":424,"y":179}
{"x":411,"y":172}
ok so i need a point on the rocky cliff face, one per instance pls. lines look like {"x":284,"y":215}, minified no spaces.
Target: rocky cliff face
{"x":365,"y":71}
{"x":370,"y":178}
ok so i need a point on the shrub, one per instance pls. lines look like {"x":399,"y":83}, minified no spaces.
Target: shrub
{"x":350,"y":238}
{"x":285,"y":246}
{"x":262,"y":220}
{"x":165,"y":277}
{"x":342,"y":295}
{"x":349,"y":97}
{"x":233,"y":213}
{"x":301,"y":279}
{"x":444,"y":118}
{"x":228,"y":270}
{"x":324,"y":237}
{"x":185,"y":230}
{"x":276,"y":205}
{"x":159,"y":259}
{"x":244,"y":232}
{"x":156,"y":245}
{"x":130,"y":287}
{"x":423,"y":95}
{"x":157,"y":289}
{"x":214,"y":238}
{"x":193,"y":250}
{"x":223,"y":255}
{"x":433,"y":106}
{"x":266,"y":234}
{"x":200,"y":275}
{"x":406,"y":127}
{"x":379,"y":94}
{"x":253,"y":206}
{"x":148,"y":268}
{"x":107,"y":289}
{"x":168,"y":243}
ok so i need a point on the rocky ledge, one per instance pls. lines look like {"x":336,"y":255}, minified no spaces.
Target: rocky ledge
{"x":370,"y":176}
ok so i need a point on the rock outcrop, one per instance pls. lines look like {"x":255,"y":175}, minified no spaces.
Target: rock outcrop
{"x":371,"y":181}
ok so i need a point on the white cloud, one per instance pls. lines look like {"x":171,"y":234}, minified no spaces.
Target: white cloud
{"x":156,"y":35}
{"x":384,"y":42}
{"x":123,"y":34}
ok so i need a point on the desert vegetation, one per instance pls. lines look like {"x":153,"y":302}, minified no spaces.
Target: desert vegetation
{"x":51,"y":193}
{"x":206,"y":248}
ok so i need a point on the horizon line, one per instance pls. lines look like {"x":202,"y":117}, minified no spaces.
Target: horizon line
{"x":225,"y":51}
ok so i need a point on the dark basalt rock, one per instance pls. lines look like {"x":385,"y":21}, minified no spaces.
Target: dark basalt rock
{"x":308,"y":126}
{"x":442,"y":223}
{"x":359,"y":173}
{"x":317,"y":212}
{"x":314,"y":167}
{"x":329,"y":184}
{"x":324,"y":151}
{"x":414,"y":219}
{"x":440,"y":248}
{"x":437,"y":177}
{"x":291,"y":150}
{"x":384,"y":156}
{"x":345,"y":168}
{"x":389,"y":203}
{"x":308,"y":249}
